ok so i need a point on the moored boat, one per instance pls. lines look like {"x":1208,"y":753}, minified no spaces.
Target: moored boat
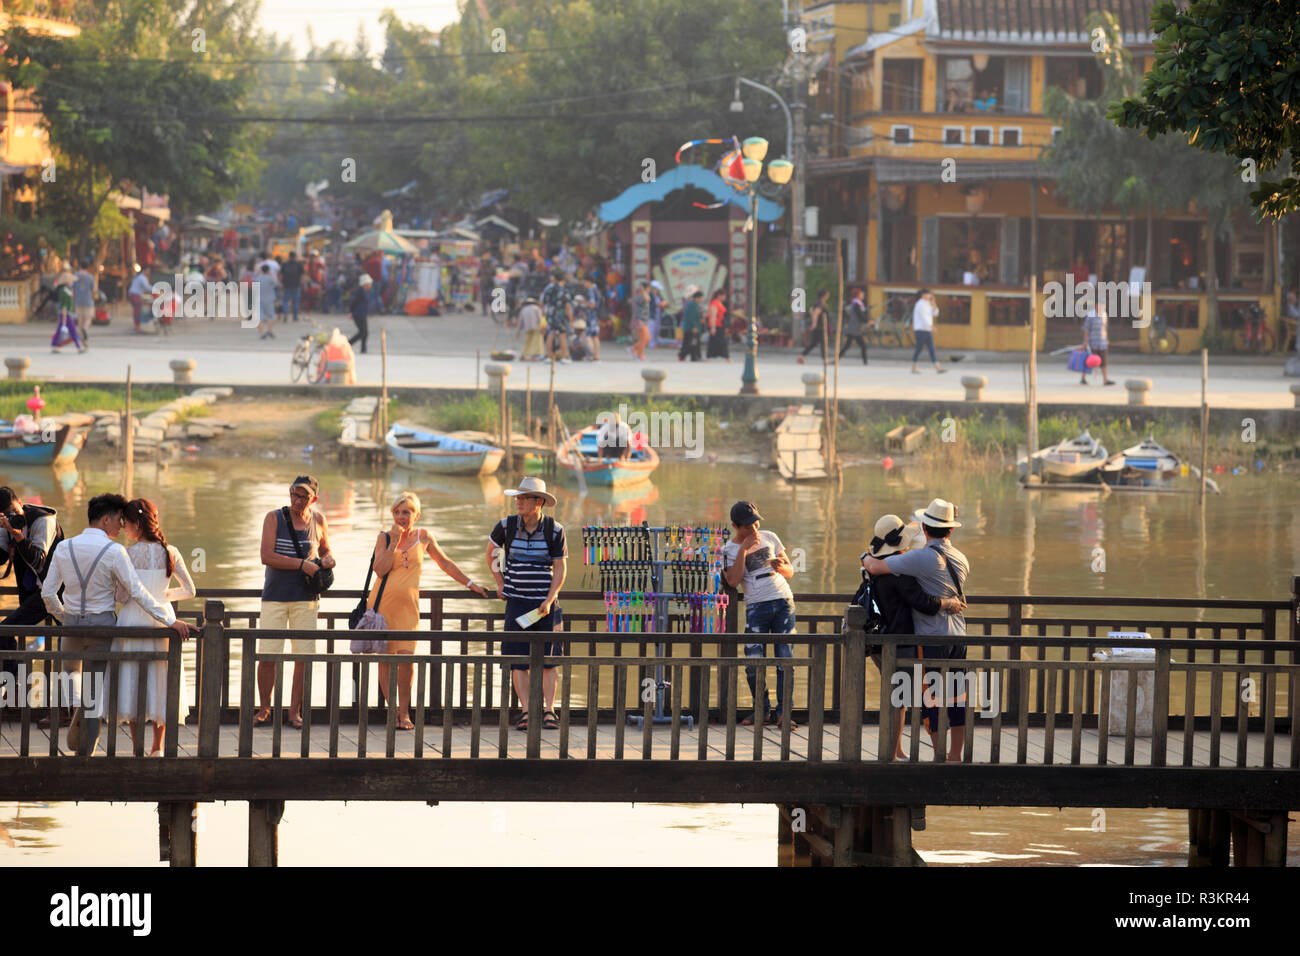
{"x":583,"y":450}
{"x":39,"y":447}
{"x":1148,"y":460}
{"x":1074,"y":459}
{"x":444,"y":453}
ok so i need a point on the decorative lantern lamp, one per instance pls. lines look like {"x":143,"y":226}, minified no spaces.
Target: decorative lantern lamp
{"x":755,"y":148}
{"x":753,"y":169}
{"x":36,"y":403}
{"x":780,"y":171}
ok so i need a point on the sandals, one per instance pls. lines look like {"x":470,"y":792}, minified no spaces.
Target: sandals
{"x":522,"y":722}
{"x":550,"y":721}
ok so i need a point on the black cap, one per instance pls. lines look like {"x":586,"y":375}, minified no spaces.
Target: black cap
{"x":309,"y":481}
{"x":743,"y":513}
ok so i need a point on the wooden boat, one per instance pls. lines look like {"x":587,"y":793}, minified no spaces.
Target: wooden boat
{"x":41,"y":447}
{"x":79,"y":426}
{"x":442,"y":453}
{"x":797,"y":445}
{"x":1071,"y":460}
{"x":583,"y":450}
{"x":1147,"y":461}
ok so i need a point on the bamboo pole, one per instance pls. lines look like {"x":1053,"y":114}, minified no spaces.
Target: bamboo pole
{"x":833,"y":463}
{"x":128,"y":442}
{"x":1205,"y":417}
{"x":383,"y":386}
{"x":528,"y":400}
{"x":1031,"y":413}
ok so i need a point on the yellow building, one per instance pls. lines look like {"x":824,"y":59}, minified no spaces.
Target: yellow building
{"x":925,"y":165}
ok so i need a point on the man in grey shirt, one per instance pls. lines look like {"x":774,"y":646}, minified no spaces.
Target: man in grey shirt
{"x":941,"y":570}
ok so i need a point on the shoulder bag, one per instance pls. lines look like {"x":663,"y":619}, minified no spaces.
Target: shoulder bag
{"x":369,"y":619}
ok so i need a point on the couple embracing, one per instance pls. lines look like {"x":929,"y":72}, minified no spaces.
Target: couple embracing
{"x":89,"y":575}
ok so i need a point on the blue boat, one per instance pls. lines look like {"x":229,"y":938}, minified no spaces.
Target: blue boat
{"x":583,"y":451}
{"x":41,"y":447}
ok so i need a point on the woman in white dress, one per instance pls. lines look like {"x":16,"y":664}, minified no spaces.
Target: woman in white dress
{"x":155,"y":563}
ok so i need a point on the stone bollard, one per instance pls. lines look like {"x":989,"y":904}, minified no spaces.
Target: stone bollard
{"x":813,"y":384}
{"x":18,"y":366}
{"x":338,"y":371}
{"x":1295,"y":390}
{"x":183,"y":371}
{"x":654,"y":380}
{"x":1137,"y":390}
{"x":974,"y":384}
{"x":497,"y":372}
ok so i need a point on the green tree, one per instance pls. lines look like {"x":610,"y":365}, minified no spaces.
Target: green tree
{"x":1227,"y":73}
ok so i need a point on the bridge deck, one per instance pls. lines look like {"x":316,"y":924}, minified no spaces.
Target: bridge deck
{"x":404,"y":745}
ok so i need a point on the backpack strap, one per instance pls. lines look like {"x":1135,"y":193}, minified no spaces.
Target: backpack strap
{"x":512,"y":529}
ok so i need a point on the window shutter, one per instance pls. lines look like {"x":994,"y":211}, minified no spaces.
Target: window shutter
{"x":1009,"y":257}
{"x":930,"y":249}
{"x":1017,"y":80}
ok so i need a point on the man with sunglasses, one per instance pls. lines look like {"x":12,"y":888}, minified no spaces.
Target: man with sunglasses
{"x":287,"y":602}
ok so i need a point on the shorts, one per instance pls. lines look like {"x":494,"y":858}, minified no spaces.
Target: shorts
{"x":288,"y":615}
{"x":85,"y":314}
{"x":956,"y":709}
{"x":516,"y":607}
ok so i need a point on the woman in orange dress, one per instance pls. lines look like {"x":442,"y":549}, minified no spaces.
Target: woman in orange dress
{"x":399,"y":554}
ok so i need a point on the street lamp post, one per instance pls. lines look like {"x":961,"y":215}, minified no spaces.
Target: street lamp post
{"x":779,"y":172}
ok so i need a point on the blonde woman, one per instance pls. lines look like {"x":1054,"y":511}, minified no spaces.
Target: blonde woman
{"x":399,"y":553}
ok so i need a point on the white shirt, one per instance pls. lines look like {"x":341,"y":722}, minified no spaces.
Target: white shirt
{"x":115,"y":568}
{"x":761,"y":582}
{"x":140,"y":285}
{"x":275,"y":267}
{"x":923,"y":316}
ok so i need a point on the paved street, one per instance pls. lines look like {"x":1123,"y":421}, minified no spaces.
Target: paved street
{"x":428,"y":351}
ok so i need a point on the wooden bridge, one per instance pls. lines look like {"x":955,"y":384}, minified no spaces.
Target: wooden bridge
{"x":1047,"y":723}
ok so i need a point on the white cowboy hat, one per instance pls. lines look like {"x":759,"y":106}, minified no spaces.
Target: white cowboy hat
{"x":532,"y":486}
{"x":894,"y":537}
{"x":939,"y":514}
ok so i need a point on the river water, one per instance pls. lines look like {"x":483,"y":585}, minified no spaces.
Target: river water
{"x":1246,"y":543}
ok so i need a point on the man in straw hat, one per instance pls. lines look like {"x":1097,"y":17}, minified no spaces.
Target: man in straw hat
{"x":531,"y":323}
{"x":941,"y":570}
{"x":897,"y":596}
{"x":527,"y":553}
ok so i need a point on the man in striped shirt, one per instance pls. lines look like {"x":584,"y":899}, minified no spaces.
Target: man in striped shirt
{"x":527,"y":553}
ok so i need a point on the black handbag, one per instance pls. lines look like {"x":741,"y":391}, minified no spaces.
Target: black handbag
{"x":355,"y":617}
{"x":323,"y":580}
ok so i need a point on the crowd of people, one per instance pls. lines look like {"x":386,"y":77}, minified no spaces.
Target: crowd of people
{"x":917,"y":581}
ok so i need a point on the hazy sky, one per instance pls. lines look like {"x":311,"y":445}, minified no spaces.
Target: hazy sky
{"x":338,"y":19}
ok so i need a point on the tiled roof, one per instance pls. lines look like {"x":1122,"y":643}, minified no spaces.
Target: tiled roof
{"x":1035,"y":21}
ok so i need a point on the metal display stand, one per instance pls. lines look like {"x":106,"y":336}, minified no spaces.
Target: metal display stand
{"x":642,"y":554}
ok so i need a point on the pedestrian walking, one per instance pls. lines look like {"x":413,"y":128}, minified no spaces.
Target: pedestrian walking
{"x":83,"y":299}
{"x":291,"y":274}
{"x":855,"y":316}
{"x":591,"y":309}
{"x":557,"y":306}
{"x":717,"y":320}
{"x":531,"y":326}
{"x":528,"y":555}
{"x":656,"y":311}
{"x":692,"y":325}
{"x":758,"y":559}
{"x":1096,"y":340}
{"x":817,"y":316}
{"x":66,"y":329}
{"x":359,"y":306}
{"x":266,"y":301}
{"x":923,"y":315}
{"x":642,"y":305}
{"x":135,"y":294}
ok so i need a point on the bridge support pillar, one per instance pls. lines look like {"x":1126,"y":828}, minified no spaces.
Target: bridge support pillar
{"x":177,"y":836}
{"x":1208,"y":836}
{"x":845,"y":836}
{"x":264,"y":832}
{"x":1258,"y":838}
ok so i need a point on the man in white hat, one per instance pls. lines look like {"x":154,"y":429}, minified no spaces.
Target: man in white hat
{"x":941,"y":570}
{"x":527,"y":554}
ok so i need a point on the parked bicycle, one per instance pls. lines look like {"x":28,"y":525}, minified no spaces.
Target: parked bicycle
{"x":307,"y":354}
{"x":892,"y":324}
{"x":1254,"y":335}
{"x":1162,"y":338}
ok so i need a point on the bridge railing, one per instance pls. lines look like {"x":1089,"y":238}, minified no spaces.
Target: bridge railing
{"x":1209,"y":701}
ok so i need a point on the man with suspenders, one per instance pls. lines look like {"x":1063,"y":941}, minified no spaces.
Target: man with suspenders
{"x":89,"y":567}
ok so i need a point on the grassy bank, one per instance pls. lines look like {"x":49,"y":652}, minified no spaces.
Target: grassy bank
{"x":63,"y":398}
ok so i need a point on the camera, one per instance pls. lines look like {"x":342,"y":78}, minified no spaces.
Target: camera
{"x":17,"y":520}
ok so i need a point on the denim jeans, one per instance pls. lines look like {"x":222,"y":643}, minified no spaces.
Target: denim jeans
{"x":770,"y":617}
{"x":924,"y":340}
{"x":292,"y":297}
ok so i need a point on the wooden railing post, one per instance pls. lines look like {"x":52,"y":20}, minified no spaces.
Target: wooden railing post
{"x":212,"y":652}
{"x":1015,"y":627}
{"x":853,"y":682}
{"x":888,"y":663}
{"x":1160,"y":709}
{"x":535,"y":653}
{"x":435,"y":648}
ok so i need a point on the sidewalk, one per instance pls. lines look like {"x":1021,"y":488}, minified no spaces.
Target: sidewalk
{"x":426,"y":351}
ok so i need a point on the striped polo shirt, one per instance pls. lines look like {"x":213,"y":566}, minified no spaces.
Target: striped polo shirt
{"x":528,"y":571}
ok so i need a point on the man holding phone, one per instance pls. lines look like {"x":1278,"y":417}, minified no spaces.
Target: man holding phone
{"x":758,"y":559}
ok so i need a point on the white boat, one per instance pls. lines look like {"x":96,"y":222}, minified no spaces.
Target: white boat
{"x":1148,"y":460}
{"x":797,"y":445}
{"x":443,"y":453}
{"x":1071,"y":460}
